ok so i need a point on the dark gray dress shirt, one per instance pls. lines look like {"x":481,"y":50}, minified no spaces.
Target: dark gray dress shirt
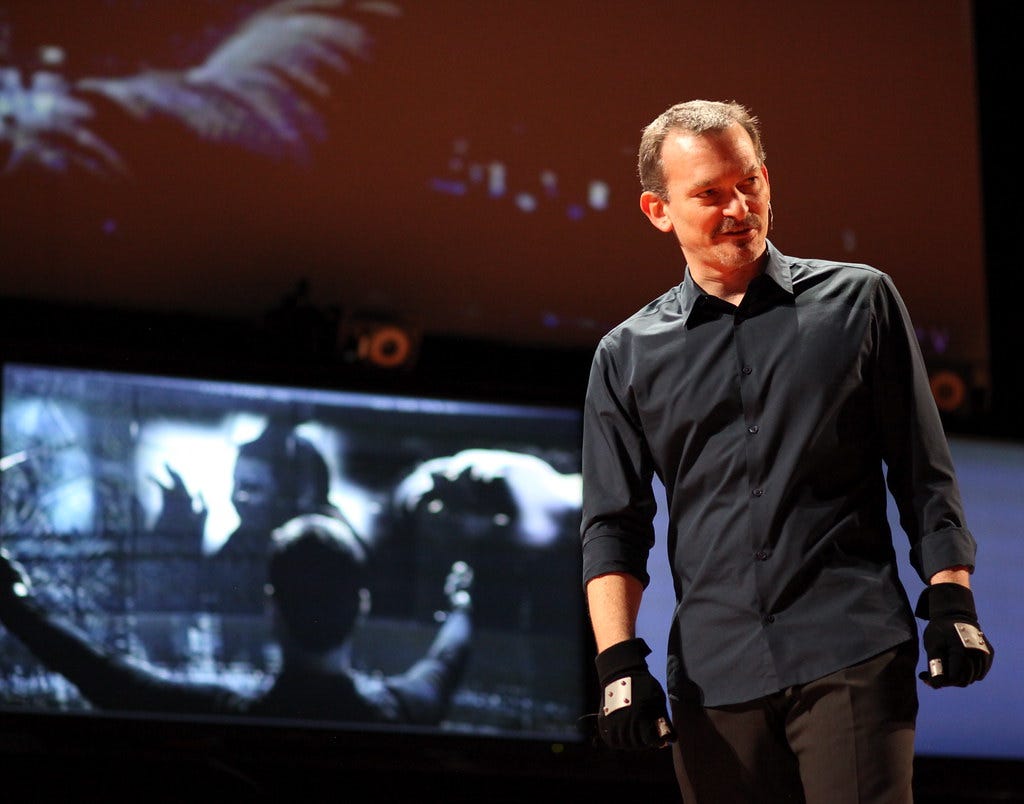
{"x":774,"y":426}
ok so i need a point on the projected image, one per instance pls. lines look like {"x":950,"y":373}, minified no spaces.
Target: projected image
{"x":464,"y":165}
{"x":188,"y":547}
{"x":251,"y":77}
{"x":256,"y":78}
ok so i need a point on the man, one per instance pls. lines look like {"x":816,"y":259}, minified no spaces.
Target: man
{"x":317,"y":569}
{"x":767,"y":393}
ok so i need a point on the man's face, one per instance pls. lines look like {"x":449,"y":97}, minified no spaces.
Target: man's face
{"x":717,"y":202}
{"x":256,"y":493}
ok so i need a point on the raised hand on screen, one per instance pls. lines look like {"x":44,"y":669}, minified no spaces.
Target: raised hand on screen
{"x":180,"y":513}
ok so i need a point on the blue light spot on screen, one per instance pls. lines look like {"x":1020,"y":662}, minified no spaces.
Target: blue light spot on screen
{"x":496,"y":179}
{"x":526,"y":202}
{"x":448,"y":186}
{"x":597,"y":194}
{"x":549,"y":181}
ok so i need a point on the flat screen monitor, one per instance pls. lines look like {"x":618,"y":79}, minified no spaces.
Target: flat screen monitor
{"x":121,"y":490}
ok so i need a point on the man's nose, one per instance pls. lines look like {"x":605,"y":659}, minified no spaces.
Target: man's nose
{"x":737,"y":206}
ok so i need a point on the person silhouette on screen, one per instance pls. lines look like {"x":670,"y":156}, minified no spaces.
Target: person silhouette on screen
{"x":777,"y":399}
{"x":277,"y":476}
{"x":317,"y":571}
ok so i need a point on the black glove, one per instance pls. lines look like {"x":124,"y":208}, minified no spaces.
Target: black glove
{"x":632,"y":712}
{"x":958,"y":652}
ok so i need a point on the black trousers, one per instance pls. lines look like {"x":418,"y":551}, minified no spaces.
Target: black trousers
{"x":847,"y":738}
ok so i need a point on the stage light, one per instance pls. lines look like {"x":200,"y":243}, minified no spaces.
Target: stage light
{"x":379,"y":342}
{"x":955,"y":388}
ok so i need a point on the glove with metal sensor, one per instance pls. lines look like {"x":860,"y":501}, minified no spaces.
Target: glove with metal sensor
{"x":633,"y":712}
{"x":958,"y":651}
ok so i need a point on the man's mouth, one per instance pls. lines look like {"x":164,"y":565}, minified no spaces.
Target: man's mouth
{"x":737,"y":233}
{"x":736,"y":230}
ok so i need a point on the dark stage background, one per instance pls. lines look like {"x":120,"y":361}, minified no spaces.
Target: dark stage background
{"x":442,"y":196}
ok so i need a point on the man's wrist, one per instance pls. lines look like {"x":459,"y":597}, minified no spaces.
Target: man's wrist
{"x":622,"y":657}
{"x":960,"y":574}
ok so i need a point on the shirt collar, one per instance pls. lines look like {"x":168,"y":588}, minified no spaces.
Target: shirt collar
{"x":777,"y":269}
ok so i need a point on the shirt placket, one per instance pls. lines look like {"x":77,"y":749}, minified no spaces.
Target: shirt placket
{"x":752,"y":368}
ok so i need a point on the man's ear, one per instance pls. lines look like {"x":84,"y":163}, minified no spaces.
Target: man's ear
{"x":653,"y":206}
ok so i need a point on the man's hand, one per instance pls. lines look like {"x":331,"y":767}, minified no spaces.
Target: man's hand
{"x":632,"y":714}
{"x":958,"y":652}
{"x":179,"y":512}
{"x":457,"y":586}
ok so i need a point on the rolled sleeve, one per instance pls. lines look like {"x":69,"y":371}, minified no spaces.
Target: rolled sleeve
{"x":618,"y":500}
{"x":951,"y":547}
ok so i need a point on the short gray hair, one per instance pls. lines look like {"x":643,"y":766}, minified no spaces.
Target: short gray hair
{"x":696,"y":117}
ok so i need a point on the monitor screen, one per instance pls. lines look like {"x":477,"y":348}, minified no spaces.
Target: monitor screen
{"x":140,"y":507}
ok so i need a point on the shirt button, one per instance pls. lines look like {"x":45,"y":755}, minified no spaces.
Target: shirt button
{"x":758,"y":492}
{"x":746,"y":369}
{"x":761,"y":555}
{"x":753,"y":429}
{"x":768,"y":619}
